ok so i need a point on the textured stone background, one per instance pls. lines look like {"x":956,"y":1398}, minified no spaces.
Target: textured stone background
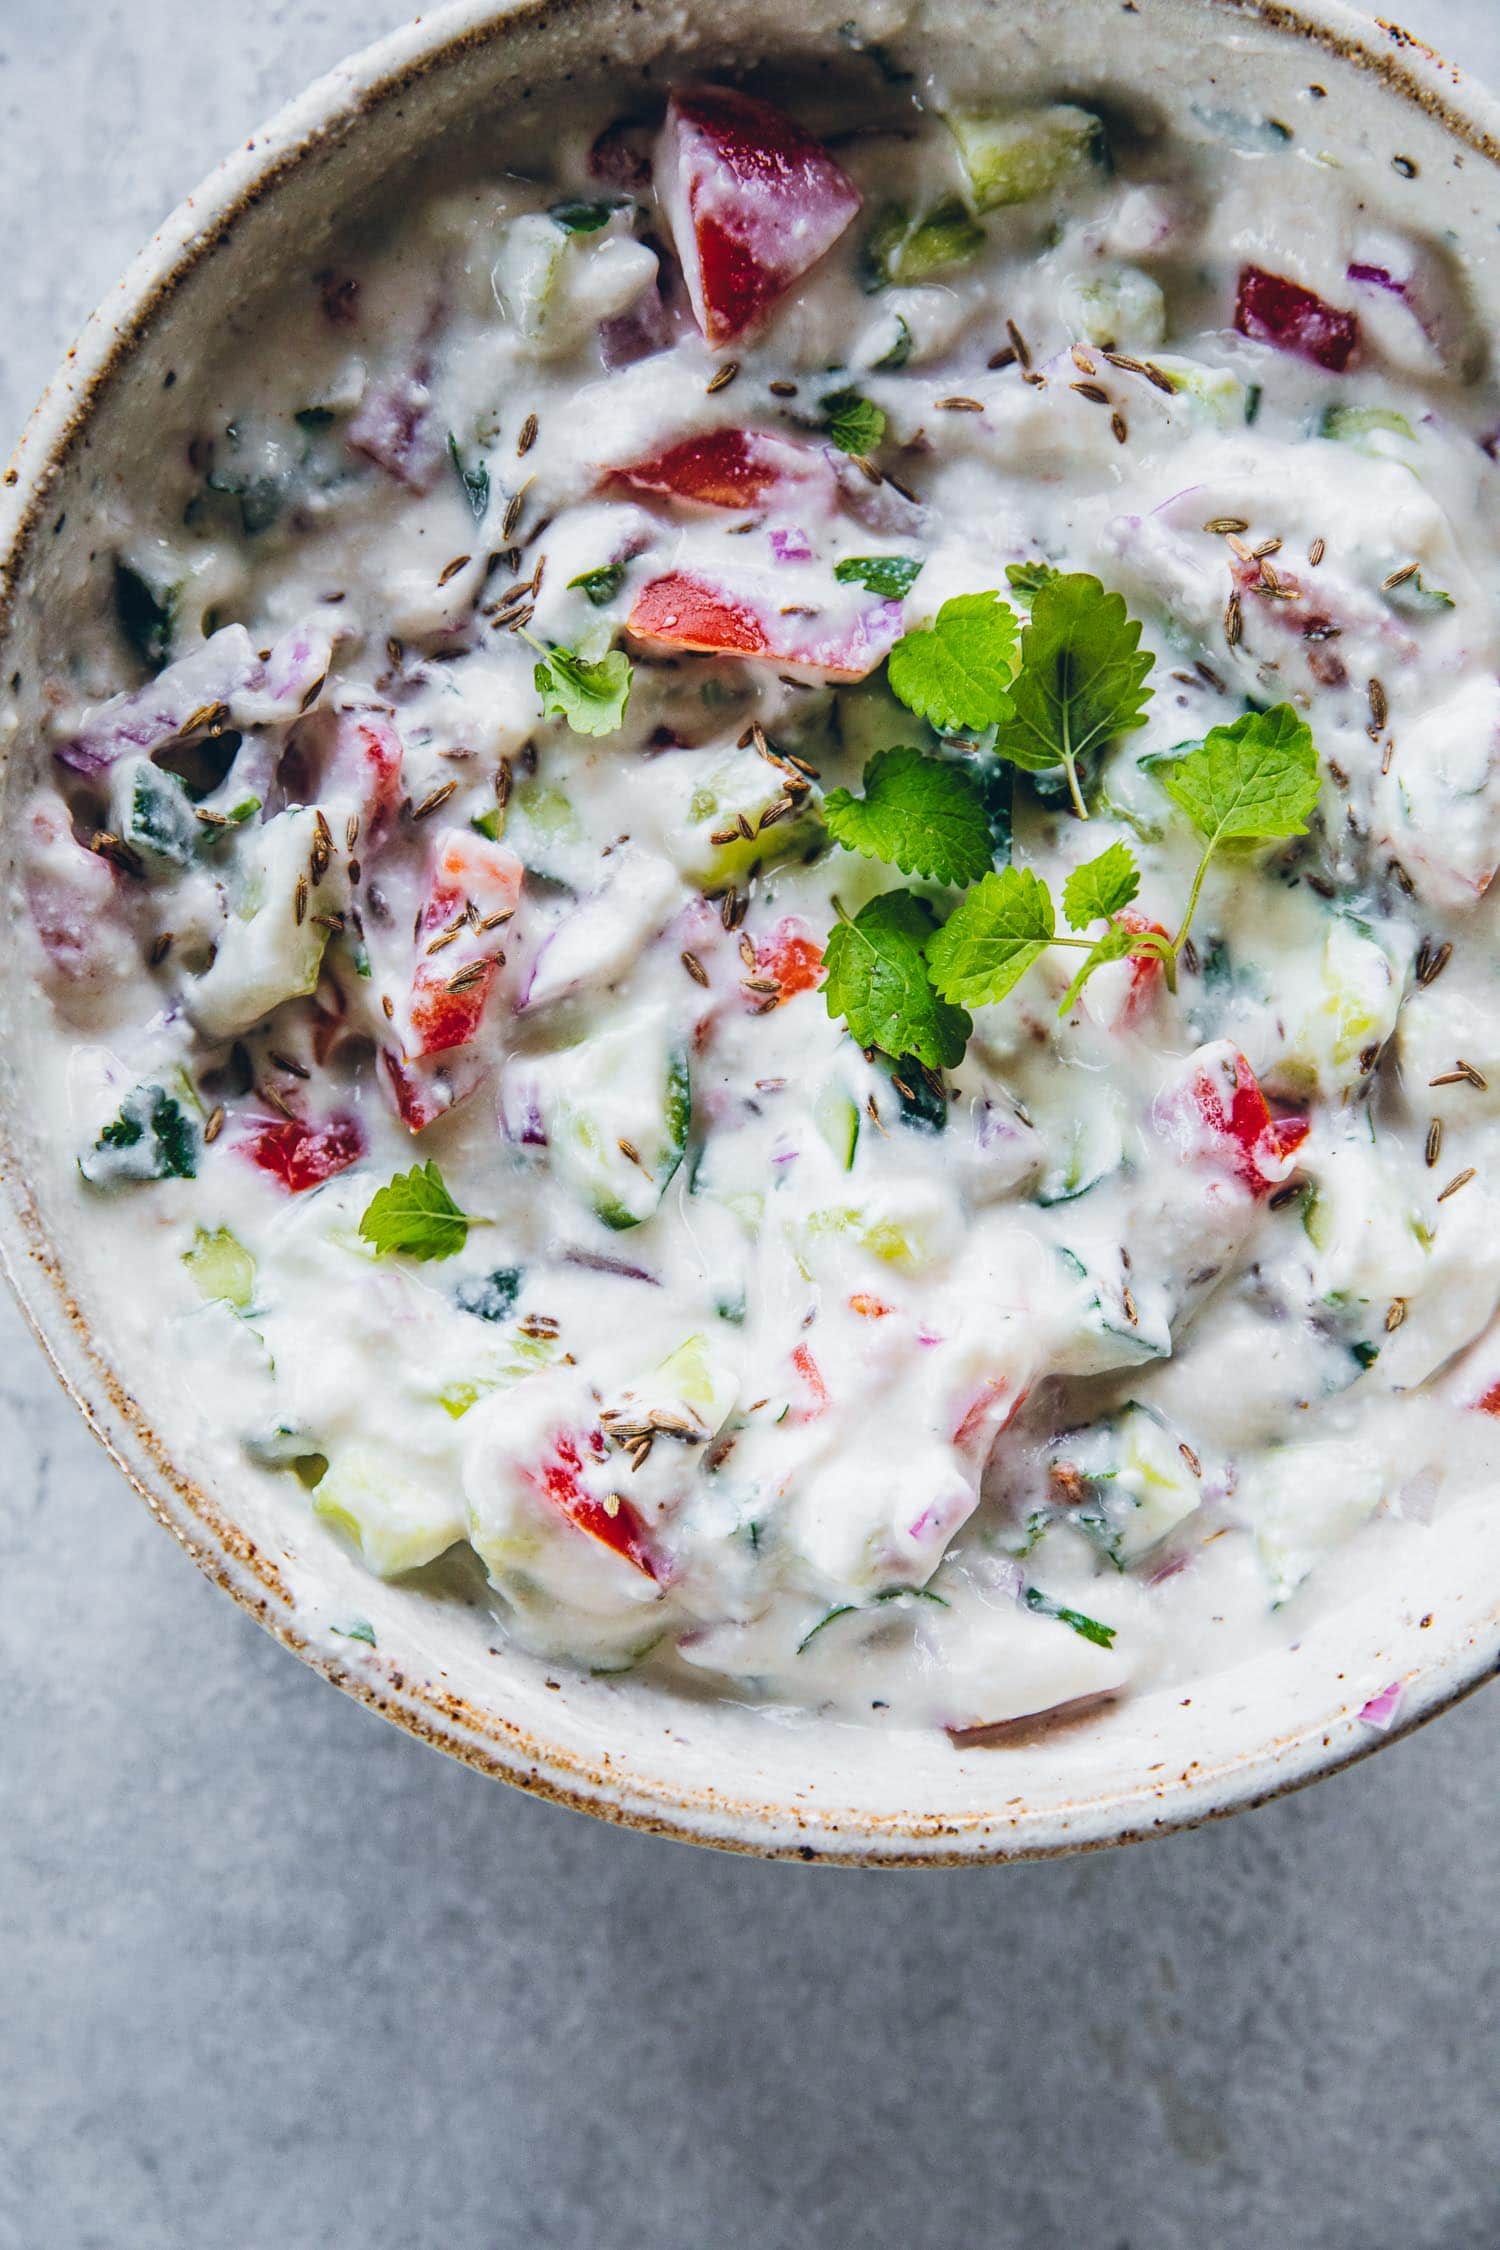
{"x":273,"y":1976}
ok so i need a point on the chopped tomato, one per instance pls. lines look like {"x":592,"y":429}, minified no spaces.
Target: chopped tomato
{"x":738,"y":469}
{"x":362,"y":761}
{"x":426,"y":1091}
{"x":752,"y":199}
{"x":1233,"y":1112}
{"x":472,"y":893}
{"x":870,"y":1308}
{"x":680,"y":611}
{"x":815,"y":1401}
{"x":300,"y":1155}
{"x":1145,"y":971}
{"x":792,"y":955}
{"x":618,"y":1525}
{"x":992,"y":1408}
{"x":1490,"y":1402}
{"x":1276,"y":311}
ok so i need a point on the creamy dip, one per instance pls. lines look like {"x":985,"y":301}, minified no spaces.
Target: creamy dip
{"x":451,"y":789}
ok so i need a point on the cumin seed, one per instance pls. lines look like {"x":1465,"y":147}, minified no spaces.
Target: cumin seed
{"x":1005,"y":358}
{"x":1160,"y":377}
{"x":1434,"y":1146}
{"x":720,"y":836}
{"x":452,"y":569}
{"x":782,"y":389}
{"x":527,"y":438}
{"x":774,"y":812}
{"x":761,"y":985}
{"x":433,"y":799}
{"x":503,"y":779}
{"x":512,"y":515}
{"x":299,"y":900}
{"x":273,"y":1100}
{"x":630,"y":1152}
{"x":904,"y":490}
{"x":1431,"y":970}
{"x":1120,"y":428}
{"x":747,"y":951}
{"x":1379,"y":708}
{"x":971,"y":405}
{"x":1234,"y":621}
{"x":695,"y":968}
{"x":288,"y":1063}
{"x":1238,"y":548}
{"x":723,"y":376}
{"x":1316,"y":552}
{"x":1399,"y":577}
{"x":1475,"y":1077}
{"x":1018,"y":344}
{"x":161,"y":946}
{"x":1223,"y":526}
{"x":389,"y":1005}
{"x":1459,"y":1179}
{"x":1395,"y":1313}
{"x":1094,"y":391}
{"x":1190,"y":1457}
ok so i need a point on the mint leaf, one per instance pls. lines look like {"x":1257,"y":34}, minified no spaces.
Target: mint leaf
{"x":992,"y":938}
{"x":414,"y":1216}
{"x":601,"y":585}
{"x":921,"y":814}
{"x":357,"y":1629}
{"x":956,"y":672}
{"x":1029,"y":577}
{"x":1112,"y":946}
{"x":591,"y":697}
{"x":1082,"y":679}
{"x":153,"y":1138}
{"x":855,"y":423}
{"x":1254,"y":779}
{"x":475,"y":481}
{"x":891,"y":576}
{"x":1096,"y":891}
{"x":875,"y":977}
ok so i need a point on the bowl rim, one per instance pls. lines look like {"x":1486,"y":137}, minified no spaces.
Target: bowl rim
{"x":335,"y":104}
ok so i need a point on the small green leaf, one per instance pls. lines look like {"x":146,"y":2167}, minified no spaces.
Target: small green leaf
{"x":580,"y":217}
{"x":590,"y":696}
{"x":1255,"y":779}
{"x":844,"y":1609}
{"x":855,"y":423}
{"x":1096,"y":891}
{"x":1029,"y":577}
{"x":992,"y":938}
{"x":475,"y":481}
{"x":1082,"y":679}
{"x":891,"y":576}
{"x":1089,"y":1628}
{"x":487,"y":824}
{"x":414,"y":1216}
{"x":601,"y":585}
{"x":956,"y":672}
{"x":153,"y":1138}
{"x":357,"y":1629}
{"x":876,"y":978}
{"x":1416,"y":597}
{"x":920,"y":814}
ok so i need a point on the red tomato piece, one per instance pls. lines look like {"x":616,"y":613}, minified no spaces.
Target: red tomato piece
{"x":362,"y":762}
{"x":300,"y":1155}
{"x":868,"y":1307}
{"x":426,"y":1091}
{"x":1276,"y":311}
{"x":752,"y":199}
{"x":472,"y":876}
{"x":1490,"y":1402}
{"x":815,"y":1391}
{"x":737,"y":469}
{"x":792,"y":955}
{"x":561,"y":1481}
{"x":681,"y":611}
{"x":1145,"y":969}
{"x":1249,"y":1138}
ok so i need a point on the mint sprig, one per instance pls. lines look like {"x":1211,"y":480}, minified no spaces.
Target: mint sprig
{"x":414,"y":1216}
{"x":891,"y":576}
{"x":1082,"y":679}
{"x":993,"y":937}
{"x":1101,"y":887}
{"x":921,"y":814}
{"x":956,"y":672}
{"x":876,"y":978}
{"x":854,"y":423}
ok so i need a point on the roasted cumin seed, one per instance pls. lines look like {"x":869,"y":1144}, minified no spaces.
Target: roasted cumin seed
{"x":288,"y":1063}
{"x":527,"y":438}
{"x":433,"y":799}
{"x":1379,"y":708}
{"x":1399,"y":577}
{"x":722,"y":377}
{"x":1434,"y":1148}
{"x":1395,"y":1313}
{"x":1431,"y":966}
{"x":695,"y":968}
{"x":452,"y":569}
{"x":1003,"y":358}
{"x":1475,"y":1077}
{"x":161,"y":946}
{"x":1094,"y":391}
{"x":1316,"y":552}
{"x":782,"y":389}
{"x":972,"y":405}
{"x":1459,"y":1179}
{"x":1018,"y":344}
{"x":1120,"y":428}
{"x":299,"y":900}
{"x":1234,"y":621}
{"x":213,"y":1124}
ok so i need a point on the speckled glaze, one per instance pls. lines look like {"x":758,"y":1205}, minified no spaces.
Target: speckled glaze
{"x":710,"y":1772}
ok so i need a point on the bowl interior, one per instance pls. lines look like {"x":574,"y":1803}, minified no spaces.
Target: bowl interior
{"x":1416,"y":1604}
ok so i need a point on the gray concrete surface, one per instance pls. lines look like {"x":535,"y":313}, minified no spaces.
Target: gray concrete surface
{"x":272,"y":1976}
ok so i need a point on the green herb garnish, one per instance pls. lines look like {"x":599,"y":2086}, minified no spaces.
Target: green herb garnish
{"x":153,"y":1138}
{"x":1082,"y":679}
{"x":580,"y":217}
{"x":855,"y":423}
{"x":957,"y":671}
{"x":414,"y":1216}
{"x":601,"y":585}
{"x":921,"y":814}
{"x":590,"y":696}
{"x":1088,"y":1628}
{"x":876,"y":978}
{"x":892,"y":576}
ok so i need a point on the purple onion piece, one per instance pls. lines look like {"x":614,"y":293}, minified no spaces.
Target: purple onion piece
{"x":597,"y":1264}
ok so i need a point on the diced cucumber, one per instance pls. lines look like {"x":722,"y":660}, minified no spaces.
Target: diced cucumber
{"x":616,"y":1110}
{"x":153,"y":813}
{"x":721,"y":803}
{"x":221,"y":1267}
{"x":1017,"y":157}
{"x":542,"y":827}
{"x":836,"y":1115}
{"x":1096,"y":1332}
{"x":905,"y":249}
{"x":1214,"y":391}
{"x":152,"y":1138}
{"x":1302,"y":1501}
{"x":1154,"y":1476}
{"x":1379,"y":431}
{"x":271,"y":947}
{"x":1351,"y":1011}
{"x":556,"y":282}
{"x":1121,"y":309}
{"x":397,"y":1520}
{"x":1092,"y":1149}
{"x":696,"y":1379}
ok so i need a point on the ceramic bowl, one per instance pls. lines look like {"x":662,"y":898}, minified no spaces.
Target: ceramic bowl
{"x":1423,"y":1608}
